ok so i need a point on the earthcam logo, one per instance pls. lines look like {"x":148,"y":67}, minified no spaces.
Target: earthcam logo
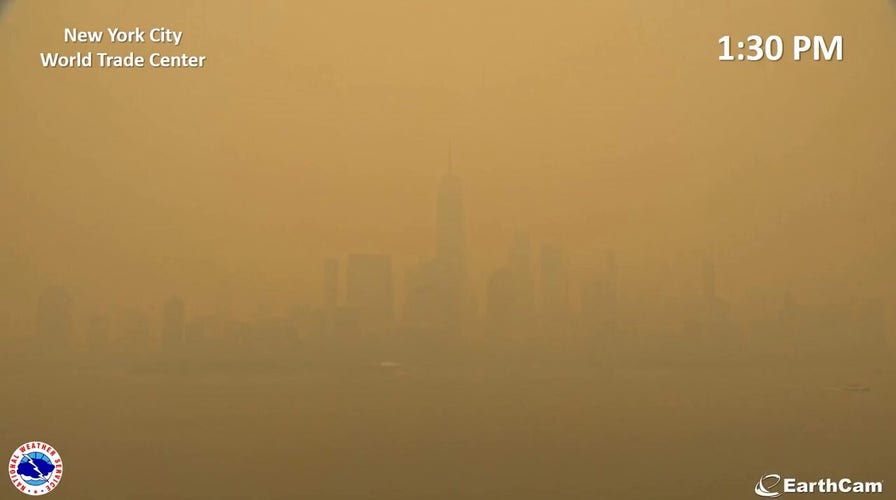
{"x":766,"y":484}
{"x":35,"y":468}
{"x":773,"y":486}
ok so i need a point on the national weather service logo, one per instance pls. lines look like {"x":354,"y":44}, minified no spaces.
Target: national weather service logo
{"x":35,"y":468}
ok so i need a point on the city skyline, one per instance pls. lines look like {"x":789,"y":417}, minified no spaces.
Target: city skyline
{"x":466,"y":250}
{"x":528,"y":297}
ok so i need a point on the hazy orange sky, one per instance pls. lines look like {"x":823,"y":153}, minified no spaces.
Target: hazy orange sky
{"x":321,"y":128}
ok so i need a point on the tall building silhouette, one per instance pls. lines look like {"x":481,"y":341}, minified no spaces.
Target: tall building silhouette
{"x":600,"y":300}
{"x":511,"y":297}
{"x":425,"y":310}
{"x":450,"y":225}
{"x":451,"y":248}
{"x":173,"y":323}
{"x":331,"y":292}
{"x":520,"y":261}
{"x":709,"y":281}
{"x":554,"y":285}
{"x":370,"y":291}
{"x":438,"y":296}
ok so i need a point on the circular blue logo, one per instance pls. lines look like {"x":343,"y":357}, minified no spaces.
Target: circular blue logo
{"x":35,"y":468}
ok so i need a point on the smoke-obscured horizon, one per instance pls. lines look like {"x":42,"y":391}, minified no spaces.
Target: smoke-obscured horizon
{"x":269,"y":278}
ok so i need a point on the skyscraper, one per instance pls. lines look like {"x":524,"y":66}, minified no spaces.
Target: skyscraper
{"x":369,"y":290}
{"x":331,"y":292}
{"x":511,"y":296}
{"x":450,"y":227}
{"x":173,"y":323}
{"x":437,"y":289}
{"x":554,"y":285}
{"x":520,"y":262}
{"x":709,"y":282}
{"x":450,"y":264}
{"x":600,"y":300}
